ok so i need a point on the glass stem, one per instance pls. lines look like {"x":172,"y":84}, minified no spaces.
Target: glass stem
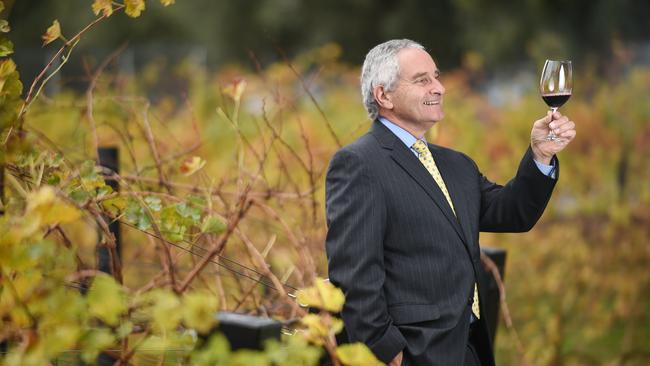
{"x":551,"y":136}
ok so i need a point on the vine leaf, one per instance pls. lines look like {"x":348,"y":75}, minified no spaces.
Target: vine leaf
{"x":103,"y":6}
{"x":199,"y":309}
{"x":212,"y":225}
{"x":192,"y":165}
{"x":52,"y":33}
{"x":49,"y":209}
{"x":4,"y":26}
{"x":322,"y":295}
{"x":356,"y":354}
{"x":134,"y":7}
{"x":106,"y":299}
{"x":6,"y":47}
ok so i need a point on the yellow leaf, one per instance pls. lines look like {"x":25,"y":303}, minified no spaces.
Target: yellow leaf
{"x":104,"y":6}
{"x":356,"y":354}
{"x":134,"y":7}
{"x":235,"y":89}
{"x":167,"y":2}
{"x":316,"y":329}
{"x":7,"y":67}
{"x":52,"y":33}
{"x":45,"y":205}
{"x":322,"y":295}
{"x":192,"y":165}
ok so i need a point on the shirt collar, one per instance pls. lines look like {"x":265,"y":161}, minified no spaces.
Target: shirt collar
{"x":401,"y":133}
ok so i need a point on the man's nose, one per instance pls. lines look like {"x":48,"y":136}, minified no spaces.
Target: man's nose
{"x":437,"y":87}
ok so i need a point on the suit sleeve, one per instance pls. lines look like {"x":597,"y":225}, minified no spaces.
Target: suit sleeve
{"x":518,"y":205}
{"x":356,"y":219}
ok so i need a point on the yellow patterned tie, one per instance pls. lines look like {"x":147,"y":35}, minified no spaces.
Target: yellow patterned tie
{"x":424,"y":154}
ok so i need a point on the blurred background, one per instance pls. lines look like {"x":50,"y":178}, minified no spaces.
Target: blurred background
{"x":578,"y":285}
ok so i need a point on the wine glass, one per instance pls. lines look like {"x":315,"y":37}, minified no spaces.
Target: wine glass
{"x":556,"y":85}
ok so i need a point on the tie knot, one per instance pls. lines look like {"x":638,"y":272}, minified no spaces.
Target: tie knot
{"x":420,"y":147}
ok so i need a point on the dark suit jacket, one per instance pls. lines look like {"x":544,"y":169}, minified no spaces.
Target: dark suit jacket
{"x":405,"y":263}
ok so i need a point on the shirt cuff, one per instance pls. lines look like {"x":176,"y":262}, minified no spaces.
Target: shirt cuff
{"x":547,"y":170}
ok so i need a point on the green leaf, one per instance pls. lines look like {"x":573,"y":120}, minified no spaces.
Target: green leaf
{"x":294,"y":351}
{"x":198,"y":201}
{"x":6,"y":47}
{"x":94,"y":341}
{"x":104,"y":190}
{"x":144,"y":222}
{"x":4,"y":26}
{"x":216,"y":351}
{"x":199,"y":309}
{"x":135,"y":214}
{"x":124,"y":329}
{"x":106,"y":299}
{"x":87,"y":170}
{"x":212,"y":225}
{"x":80,"y":196}
{"x":167,"y":2}
{"x":189,"y":212}
{"x":153,"y":202}
{"x":356,"y":354}
{"x":163,"y":308}
{"x":246,"y":357}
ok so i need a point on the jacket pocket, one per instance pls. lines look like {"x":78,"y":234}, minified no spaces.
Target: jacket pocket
{"x":413,"y":313}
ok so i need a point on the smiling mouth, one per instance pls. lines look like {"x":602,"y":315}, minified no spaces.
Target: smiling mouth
{"x":432,"y":102}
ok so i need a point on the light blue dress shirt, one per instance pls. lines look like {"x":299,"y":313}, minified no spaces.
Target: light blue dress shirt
{"x":409,"y":140}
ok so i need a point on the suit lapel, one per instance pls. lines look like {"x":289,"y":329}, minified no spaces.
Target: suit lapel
{"x":410,"y":163}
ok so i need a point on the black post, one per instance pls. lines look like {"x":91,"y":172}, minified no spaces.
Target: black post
{"x":246,"y":331}
{"x":109,"y":158}
{"x":490,"y":290}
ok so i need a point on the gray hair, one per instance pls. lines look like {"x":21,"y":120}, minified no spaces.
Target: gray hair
{"x":381,"y":67}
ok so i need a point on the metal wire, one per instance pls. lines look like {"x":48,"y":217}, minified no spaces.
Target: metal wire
{"x":264,"y":283}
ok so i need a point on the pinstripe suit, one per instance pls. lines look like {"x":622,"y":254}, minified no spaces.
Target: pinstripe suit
{"x":405,"y":263}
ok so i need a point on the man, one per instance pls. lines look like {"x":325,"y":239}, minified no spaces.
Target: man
{"x":404,"y":217}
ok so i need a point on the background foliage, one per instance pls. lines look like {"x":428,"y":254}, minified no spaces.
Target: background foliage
{"x":232,"y":162}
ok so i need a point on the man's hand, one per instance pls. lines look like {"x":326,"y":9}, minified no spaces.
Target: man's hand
{"x":397,"y":361}
{"x":562,"y":127}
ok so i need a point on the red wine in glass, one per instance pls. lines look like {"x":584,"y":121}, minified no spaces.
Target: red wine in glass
{"x":555,"y":86}
{"x":556,"y":100}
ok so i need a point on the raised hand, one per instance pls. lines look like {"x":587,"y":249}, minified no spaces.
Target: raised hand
{"x":562,"y":127}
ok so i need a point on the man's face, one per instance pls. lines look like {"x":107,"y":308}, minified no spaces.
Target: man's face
{"x":417,"y":98}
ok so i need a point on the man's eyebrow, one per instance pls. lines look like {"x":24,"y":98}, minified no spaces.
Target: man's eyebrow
{"x":436,"y":73}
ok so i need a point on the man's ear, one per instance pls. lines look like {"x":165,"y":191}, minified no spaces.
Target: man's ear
{"x":382,"y":97}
